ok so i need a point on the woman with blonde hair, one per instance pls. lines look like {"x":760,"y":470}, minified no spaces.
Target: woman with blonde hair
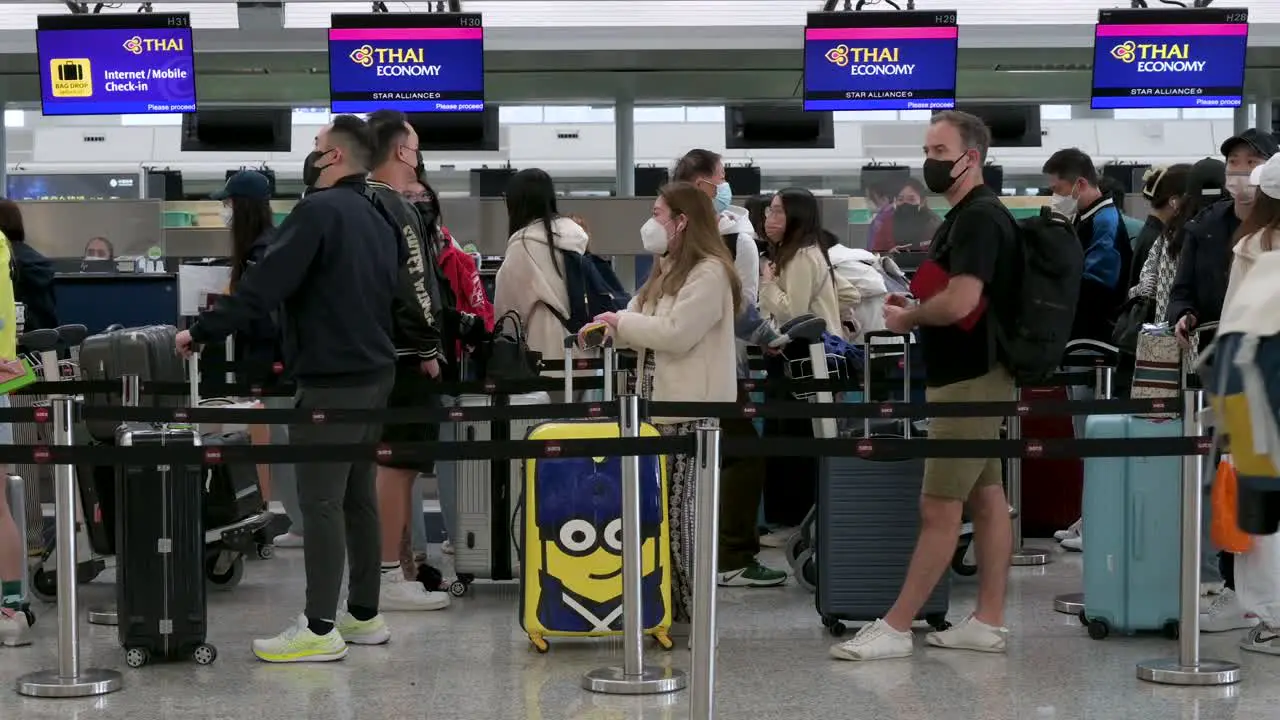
{"x":682,"y":323}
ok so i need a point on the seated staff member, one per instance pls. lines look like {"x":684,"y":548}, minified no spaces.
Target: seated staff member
{"x":682,"y":322}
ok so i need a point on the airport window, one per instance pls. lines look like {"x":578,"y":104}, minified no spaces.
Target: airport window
{"x":1055,"y":112}
{"x":519,"y":114}
{"x":15,"y":118}
{"x":915,"y":115}
{"x":667,"y":114}
{"x":864,"y":115}
{"x":311,"y":116}
{"x":704,"y":113}
{"x":1208,"y":113}
{"x":576,"y":114}
{"x":1147,"y":114}
{"x":151,"y":120}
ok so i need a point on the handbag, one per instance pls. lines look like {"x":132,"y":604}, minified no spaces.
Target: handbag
{"x":509,"y":356}
{"x":1157,"y":371}
{"x":1135,"y":313}
{"x":1224,"y":527}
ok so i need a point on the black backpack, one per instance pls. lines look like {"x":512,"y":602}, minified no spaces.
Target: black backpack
{"x":590,"y":292}
{"x":731,"y":240}
{"x":1033,"y":333}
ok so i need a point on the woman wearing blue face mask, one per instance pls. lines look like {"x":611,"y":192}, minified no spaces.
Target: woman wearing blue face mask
{"x":705,"y":170}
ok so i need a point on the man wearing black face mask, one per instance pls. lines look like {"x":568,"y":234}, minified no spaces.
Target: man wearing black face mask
{"x":971,"y":274}
{"x":397,"y":161}
{"x":334,"y":269}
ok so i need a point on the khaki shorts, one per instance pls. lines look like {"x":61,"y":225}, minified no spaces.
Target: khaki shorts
{"x":956,"y":478}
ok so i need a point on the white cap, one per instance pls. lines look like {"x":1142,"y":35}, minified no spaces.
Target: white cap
{"x":1267,"y":177}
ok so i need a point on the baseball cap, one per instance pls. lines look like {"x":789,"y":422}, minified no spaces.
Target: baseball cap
{"x":1267,"y":177}
{"x":247,"y":184}
{"x":1208,"y":177}
{"x":1260,"y":141}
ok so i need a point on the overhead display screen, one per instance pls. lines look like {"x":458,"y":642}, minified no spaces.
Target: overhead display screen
{"x":880,"y":60}
{"x":126,"y":63}
{"x":1170,"y":58}
{"x":83,"y":186}
{"x":428,"y":62}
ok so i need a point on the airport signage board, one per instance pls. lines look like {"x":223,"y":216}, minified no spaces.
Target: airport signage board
{"x":421,"y":62}
{"x":1169,"y":58}
{"x":874,"y":60}
{"x":126,"y":63}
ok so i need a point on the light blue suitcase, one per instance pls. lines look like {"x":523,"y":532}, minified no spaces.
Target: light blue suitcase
{"x":1132,"y":510}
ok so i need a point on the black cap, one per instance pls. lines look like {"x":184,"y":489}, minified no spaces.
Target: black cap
{"x":1260,"y":141}
{"x":1208,"y":177}
{"x":247,"y":184}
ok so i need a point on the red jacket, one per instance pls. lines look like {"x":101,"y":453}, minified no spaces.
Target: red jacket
{"x":464,"y":279}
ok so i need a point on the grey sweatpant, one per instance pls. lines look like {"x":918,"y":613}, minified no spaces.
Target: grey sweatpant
{"x":339,"y":502}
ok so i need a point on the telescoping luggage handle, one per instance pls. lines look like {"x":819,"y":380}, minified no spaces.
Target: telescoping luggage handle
{"x":193,"y":371}
{"x":570,"y":345}
{"x":892,"y":340}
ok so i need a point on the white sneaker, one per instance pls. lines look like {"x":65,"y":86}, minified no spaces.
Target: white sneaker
{"x":877,"y":641}
{"x":15,"y":631}
{"x":778,"y":538}
{"x":971,"y":634}
{"x":1071,"y":532}
{"x":446,"y":547}
{"x":299,"y":644}
{"x":287,"y":540}
{"x":398,"y":594}
{"x":1262,"y":639}
{"x":1074,"y":544}
{"x":1226,"y":613}
{"x":362,"y":632}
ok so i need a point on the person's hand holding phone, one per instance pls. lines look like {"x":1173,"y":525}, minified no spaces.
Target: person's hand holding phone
{"x":1182,"y":331}
{"x":594,"y":334}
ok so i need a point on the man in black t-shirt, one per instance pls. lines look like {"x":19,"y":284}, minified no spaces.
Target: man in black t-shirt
{"x":966,"y":280}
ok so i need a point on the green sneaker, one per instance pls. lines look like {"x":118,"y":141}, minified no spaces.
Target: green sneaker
{"x":362,"y":632}
{"x":753,"y":575}
{"x":299,"y":644}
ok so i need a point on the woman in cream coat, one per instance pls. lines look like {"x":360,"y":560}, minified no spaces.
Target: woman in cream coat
{"x":531,"y":278}
{"x":800,"y":279}
{"x":682,"y":323}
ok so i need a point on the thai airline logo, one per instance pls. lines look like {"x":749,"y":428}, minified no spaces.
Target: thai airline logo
{"x":393,"y":61}
{"x":1157,"y":57}
{"x":869,"y":60}
{"x":138,"y":45}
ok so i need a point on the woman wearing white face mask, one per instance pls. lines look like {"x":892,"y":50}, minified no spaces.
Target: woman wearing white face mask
{"x":682,"y":323}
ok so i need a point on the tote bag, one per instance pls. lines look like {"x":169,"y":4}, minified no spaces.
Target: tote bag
{"x":1157,"y":371}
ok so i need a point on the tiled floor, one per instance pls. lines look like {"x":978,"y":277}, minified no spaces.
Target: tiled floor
{"x":471,"y":662}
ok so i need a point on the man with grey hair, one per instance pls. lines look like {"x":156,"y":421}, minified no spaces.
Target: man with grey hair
{"x":334,"y":269}
{"x":969,"y":279}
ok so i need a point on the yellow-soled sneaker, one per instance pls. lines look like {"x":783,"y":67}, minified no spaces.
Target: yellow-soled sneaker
{"x":373,"y":631}
{"x":299,"y":644}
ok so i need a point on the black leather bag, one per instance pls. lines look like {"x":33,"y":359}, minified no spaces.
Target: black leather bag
{"x":509,"y":356}
{"x":1133,"y":315}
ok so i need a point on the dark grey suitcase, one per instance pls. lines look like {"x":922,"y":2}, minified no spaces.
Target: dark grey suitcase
{"x":147,"y":352}
{"x":868,"y":520}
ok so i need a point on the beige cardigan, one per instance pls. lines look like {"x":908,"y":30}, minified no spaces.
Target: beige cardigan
{"x":691,"y":337}
{"x":1246,"y":254}
{"x":528,"y":283}
{"x":805,"y":287}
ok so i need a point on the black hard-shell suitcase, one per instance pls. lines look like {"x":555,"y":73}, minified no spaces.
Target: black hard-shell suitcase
{"x":160,"y":578}
{"x":148,"y":352}
{"x":868,"y":520}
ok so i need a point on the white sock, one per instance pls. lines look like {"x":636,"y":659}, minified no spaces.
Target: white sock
{"x":390,"y":567}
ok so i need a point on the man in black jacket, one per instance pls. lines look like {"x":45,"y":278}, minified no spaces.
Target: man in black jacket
{"x":396,"y":162}
{"x":334,"y":268}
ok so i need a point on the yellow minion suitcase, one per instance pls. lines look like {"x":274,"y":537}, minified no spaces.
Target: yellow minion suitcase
{"x":571,"y":579}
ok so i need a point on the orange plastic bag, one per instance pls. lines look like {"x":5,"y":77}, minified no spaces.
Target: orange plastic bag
{"x":1225,"y":528}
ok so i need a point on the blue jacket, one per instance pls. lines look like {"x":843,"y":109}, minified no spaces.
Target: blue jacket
{"x":1108,"y":256}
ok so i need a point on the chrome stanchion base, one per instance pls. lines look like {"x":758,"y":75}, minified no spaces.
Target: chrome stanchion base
{"x":90,"y":682}
{"x":652,"y":680}
{"x":1027,"y":557}
{"x":103,"y":616}
{"x":1171,"y":672}
{"x":1069,"y":603}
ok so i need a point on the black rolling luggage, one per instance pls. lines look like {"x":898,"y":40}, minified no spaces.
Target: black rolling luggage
{"x":868,"y":519}
{"x":160,"y":578}
{"x":148,"y":352}
{"x":232,"y":492}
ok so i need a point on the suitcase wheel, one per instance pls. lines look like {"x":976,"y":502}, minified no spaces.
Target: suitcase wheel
{"x":204,"y":654}
{"x":539,"y":643}
{"x":266,"y":552}
{"x":44,"y":584}
{"x":663,"y":639}
{"x":1171,"y":630}
{"x":938,"y":621}
{"x":136,"y":657}
{"x":223,"y":580}
{"x":1099,"y":629}
{"x":833,"y":626}
{"x":457,"y":588}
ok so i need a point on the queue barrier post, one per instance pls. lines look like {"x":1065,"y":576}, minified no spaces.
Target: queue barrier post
{"x":1022,"y":555}
{"x":130,"y":396}
{"x":1189,"y":668}
{"x":702,"y":702}
{"x":633,"y":677}
{"x":69,"y":679}
{"x":1104,"y":387}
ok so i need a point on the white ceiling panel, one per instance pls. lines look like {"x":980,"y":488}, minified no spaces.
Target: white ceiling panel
{"x":204,"y":16}
{"x":733,"y":13}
